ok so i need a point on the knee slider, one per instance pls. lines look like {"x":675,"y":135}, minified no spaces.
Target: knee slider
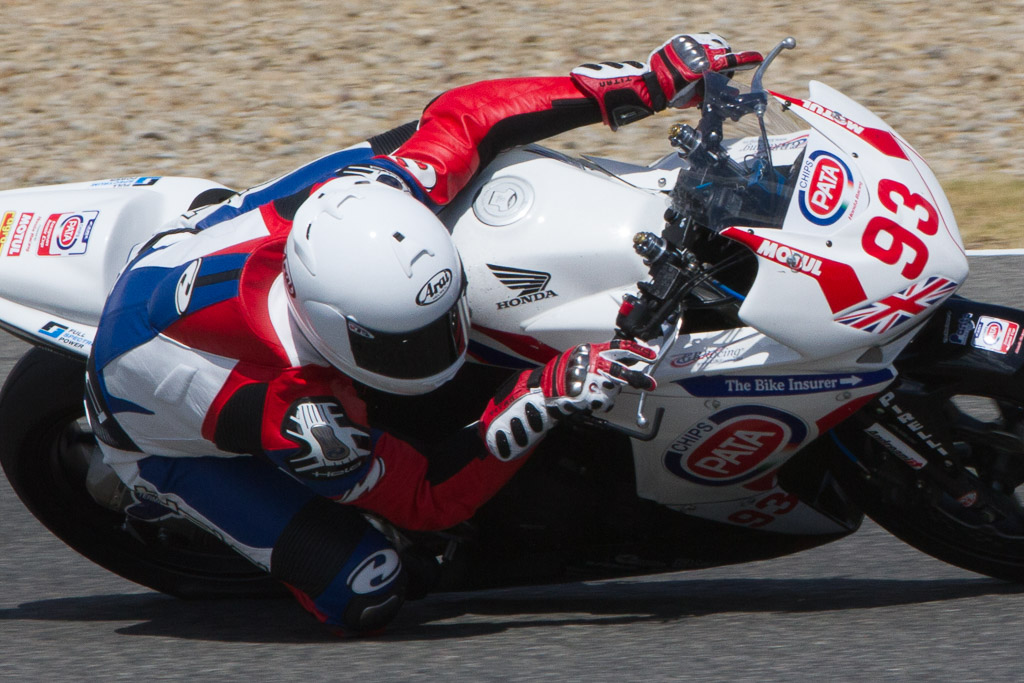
{"x":350,"y":573}
{"x":376,"y":584}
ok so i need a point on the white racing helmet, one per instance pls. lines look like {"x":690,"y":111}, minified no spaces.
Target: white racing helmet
{"x":376,"y":286}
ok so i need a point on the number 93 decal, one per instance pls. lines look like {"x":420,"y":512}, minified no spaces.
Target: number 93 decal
{"x":888,"y":241}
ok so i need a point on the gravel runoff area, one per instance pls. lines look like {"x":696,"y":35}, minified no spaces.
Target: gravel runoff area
{"x":242,"y":90}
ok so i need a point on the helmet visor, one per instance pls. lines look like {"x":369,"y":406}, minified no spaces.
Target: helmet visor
{"x":420,"y":353}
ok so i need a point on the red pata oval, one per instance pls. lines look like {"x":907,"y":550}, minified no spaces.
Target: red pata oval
{"x":68,"y":230}
{"x":736,"y":448}
{"x":826,"y":188}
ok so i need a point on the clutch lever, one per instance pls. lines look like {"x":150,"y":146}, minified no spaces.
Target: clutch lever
{"x":648,"y":435}
{"x":653,"y":425}
{"x":641,"y":419}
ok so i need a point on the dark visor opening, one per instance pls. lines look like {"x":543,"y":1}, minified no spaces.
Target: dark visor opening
{"x":420,"y":353}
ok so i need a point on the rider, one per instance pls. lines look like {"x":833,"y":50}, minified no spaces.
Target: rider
{"x":253,"y":329}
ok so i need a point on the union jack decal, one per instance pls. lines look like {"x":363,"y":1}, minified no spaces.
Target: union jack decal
{"x":883,"y":315}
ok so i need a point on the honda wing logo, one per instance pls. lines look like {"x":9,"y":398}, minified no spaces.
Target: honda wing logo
{"x":526,"y":281}
{"x":531,"y":284}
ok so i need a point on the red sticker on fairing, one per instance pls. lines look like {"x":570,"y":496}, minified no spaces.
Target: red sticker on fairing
{"x":6,"y":223}
{"x":67,"y":233}
{"x":838,"y":281}
{"x":19,"y":234}
{"x":882,"y":140}
{"x":995,"y":334}
{"x":733,"y":445}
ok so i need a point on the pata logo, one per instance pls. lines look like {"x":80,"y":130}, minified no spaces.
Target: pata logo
{"x":68,"y":231}
{"x":734,"y":445}
{"x":825,"y":182}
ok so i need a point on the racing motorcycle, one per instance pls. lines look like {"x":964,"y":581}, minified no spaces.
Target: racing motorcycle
{"x":793,"y":261}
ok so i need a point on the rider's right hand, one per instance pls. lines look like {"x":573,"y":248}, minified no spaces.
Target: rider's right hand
{"x":584,"y":379}
{"x":682,"y":60}
{"x":628,"y":91}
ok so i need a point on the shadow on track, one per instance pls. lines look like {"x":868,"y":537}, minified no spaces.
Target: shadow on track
{"x":463,"y":615}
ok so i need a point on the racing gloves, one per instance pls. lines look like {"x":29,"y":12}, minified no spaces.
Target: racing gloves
{"x":585,"y":378}
{"x":628,"y":91}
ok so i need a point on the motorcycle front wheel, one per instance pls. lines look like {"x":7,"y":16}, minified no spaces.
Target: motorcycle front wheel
{"x":966,"y":508}
{"x":45,"y":449}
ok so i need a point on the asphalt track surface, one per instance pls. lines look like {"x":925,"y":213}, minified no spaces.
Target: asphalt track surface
{"x":866,"y":608}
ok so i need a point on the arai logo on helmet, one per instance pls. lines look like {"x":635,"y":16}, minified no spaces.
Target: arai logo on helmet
{"x":824,"y":182}
{"x":733,"y":445}
{"x":435,"y":288}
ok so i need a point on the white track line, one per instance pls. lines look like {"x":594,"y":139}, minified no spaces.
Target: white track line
{"x":995,"y":252}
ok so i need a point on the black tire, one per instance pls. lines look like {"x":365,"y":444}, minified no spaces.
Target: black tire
{"x":921,"y":507}
{"x":42,"y":434}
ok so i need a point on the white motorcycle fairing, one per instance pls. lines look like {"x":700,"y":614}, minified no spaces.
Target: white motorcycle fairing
{"x":62,"y":246}
{"x":867,"y":249}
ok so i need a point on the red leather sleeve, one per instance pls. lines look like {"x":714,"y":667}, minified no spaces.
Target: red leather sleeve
{"x":464,"y":128}
{"x":405,"y":496}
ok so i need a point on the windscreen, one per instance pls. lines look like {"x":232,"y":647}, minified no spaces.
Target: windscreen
{"x":743,"y":158}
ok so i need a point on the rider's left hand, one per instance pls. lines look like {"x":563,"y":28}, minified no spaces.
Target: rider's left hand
{"x":581,"y":380}
{"x":588,"y":377}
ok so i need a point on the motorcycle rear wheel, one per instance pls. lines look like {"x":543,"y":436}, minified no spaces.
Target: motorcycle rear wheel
{"x":987,"y":430}
{"x":44,"y":440}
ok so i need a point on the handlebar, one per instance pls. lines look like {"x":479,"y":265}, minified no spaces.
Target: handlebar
{"x":706,"y":190}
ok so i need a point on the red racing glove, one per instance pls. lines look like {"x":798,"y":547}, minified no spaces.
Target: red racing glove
{"x":629,"y":91}
{"x":585,"y":378}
